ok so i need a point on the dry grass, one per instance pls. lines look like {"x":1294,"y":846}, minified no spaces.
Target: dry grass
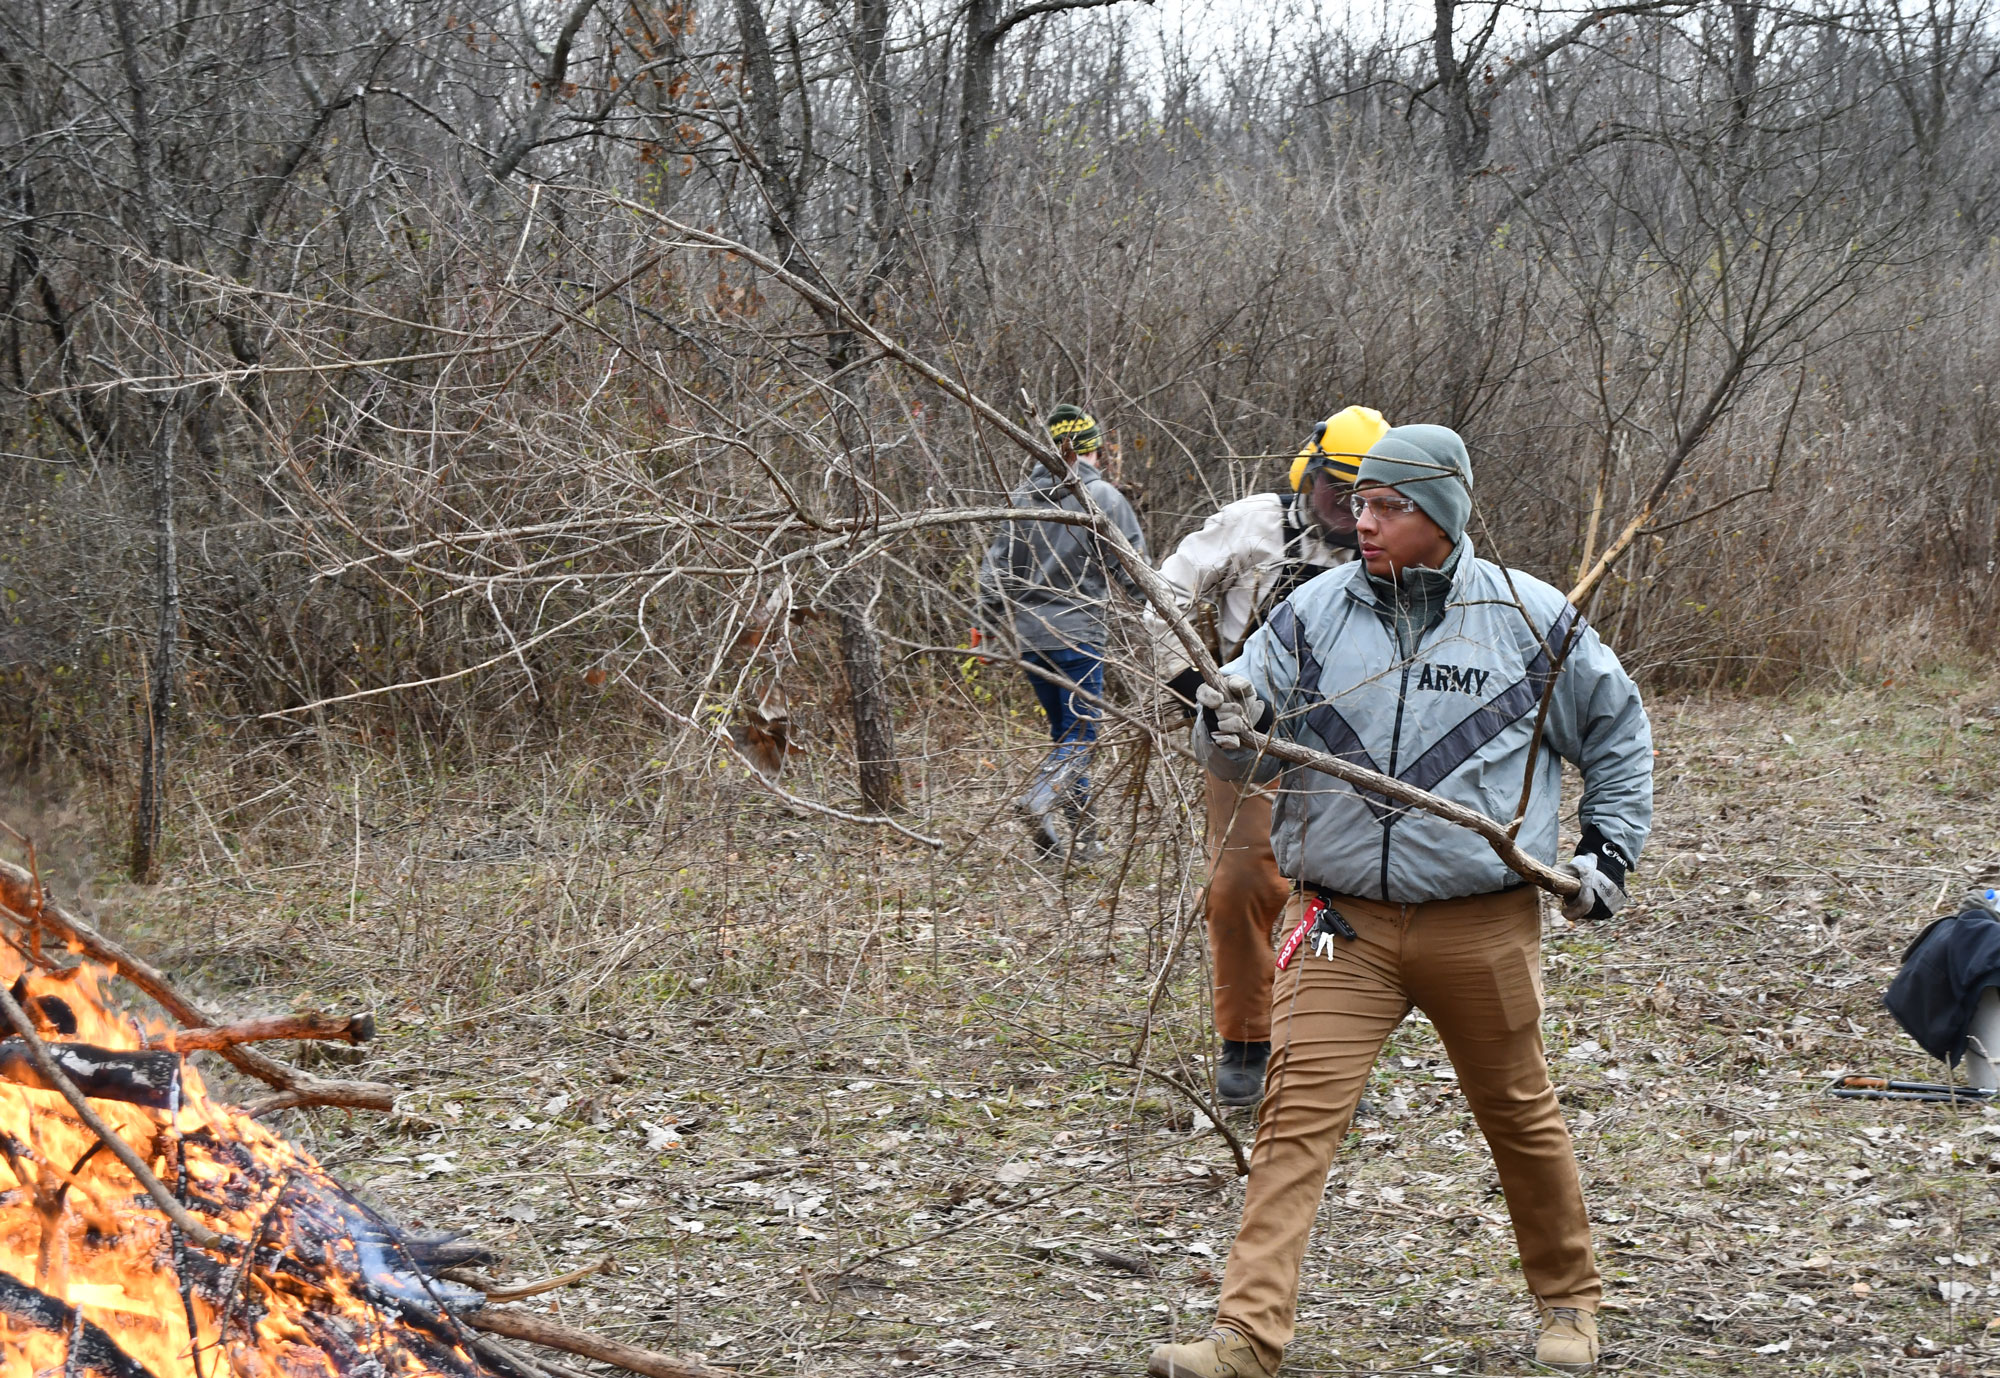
{"x":833,"y":1102}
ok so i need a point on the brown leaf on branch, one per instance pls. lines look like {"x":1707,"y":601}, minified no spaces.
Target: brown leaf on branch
{"x":764,"y":736}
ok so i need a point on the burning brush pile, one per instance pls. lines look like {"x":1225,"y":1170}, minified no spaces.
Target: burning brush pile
{"x":147,"y":1228}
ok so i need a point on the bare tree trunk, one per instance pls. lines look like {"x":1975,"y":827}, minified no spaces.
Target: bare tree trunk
{"x":1466,"y":126}
{"x":871,"y":62}
{"x":509,"y":157}
{"x":985,"y":26}
{"x":982,"y":51}
{"x":881,"y":775}
{"x":762,"y":103}
{"x":1742,"y":68}
{"x":149,"y":816}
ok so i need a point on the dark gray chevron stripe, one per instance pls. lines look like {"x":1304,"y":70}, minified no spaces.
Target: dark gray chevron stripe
{"x":1323,"y":718}
{"x":1450,"y":751}
{"x":1493,"y":717}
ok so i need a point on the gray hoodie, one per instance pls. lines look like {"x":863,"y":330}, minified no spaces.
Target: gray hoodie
{"x":1049,"y":579}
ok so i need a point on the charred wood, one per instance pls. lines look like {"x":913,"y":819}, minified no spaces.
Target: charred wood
{"x":148,"y":1079}
{"x":437,"y":1250}
{"x":51,"y":1013}
{"x":53,"y":1077}
{"x":91,"y":1350}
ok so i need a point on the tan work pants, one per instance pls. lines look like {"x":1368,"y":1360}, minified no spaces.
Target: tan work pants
{"x":1474,"y":966}
{"x":1246,"y":895}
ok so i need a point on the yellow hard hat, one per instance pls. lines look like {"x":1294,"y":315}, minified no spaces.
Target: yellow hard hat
{"x":1339,"y":443}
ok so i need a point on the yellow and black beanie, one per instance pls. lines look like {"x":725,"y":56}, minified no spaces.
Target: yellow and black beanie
{"x":1075,"y":425}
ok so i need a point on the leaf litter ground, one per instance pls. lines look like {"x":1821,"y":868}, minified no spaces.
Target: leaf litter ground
{"x":831,"y":1102}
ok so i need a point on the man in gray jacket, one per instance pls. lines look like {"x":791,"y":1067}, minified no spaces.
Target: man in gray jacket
{"x":1051,"y":582}
{"x":1426,"y":663}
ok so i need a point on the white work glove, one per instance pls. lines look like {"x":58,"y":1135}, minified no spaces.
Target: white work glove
{"x":1236,"y":707}
{"x":1600,"y":896}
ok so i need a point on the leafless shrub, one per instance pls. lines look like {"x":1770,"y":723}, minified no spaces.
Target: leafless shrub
{"x":448,"y":417}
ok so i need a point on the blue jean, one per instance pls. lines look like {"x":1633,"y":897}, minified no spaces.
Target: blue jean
{"x":1072,"y":713}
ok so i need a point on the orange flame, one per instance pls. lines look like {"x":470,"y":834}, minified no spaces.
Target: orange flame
{"x":312,"y":1286}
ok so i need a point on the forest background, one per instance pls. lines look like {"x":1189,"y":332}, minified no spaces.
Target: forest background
{"x":491,"y":492}
{"x":351,"y":347}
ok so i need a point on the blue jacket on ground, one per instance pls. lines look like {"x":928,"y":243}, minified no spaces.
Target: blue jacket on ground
{"x":1455,"y":717}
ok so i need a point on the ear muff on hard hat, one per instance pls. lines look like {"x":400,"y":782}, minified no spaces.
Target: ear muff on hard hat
{"x":1338,"y":445}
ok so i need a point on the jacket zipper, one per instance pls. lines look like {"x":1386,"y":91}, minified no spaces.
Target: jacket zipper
{"x":1395,"y":748}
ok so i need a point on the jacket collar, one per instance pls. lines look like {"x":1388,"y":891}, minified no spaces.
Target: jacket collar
{"x":1362,"y":586}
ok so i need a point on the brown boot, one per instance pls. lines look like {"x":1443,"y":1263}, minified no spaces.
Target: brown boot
{"x":1569,"y":1340}
{"x":1224,"y":1354}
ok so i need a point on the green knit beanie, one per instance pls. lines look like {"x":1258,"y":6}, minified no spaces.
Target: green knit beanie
{"x":1429,"y":466}
{"x":1077,"y":426}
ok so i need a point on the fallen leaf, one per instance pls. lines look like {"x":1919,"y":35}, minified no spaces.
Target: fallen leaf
{"x":765,"y":738}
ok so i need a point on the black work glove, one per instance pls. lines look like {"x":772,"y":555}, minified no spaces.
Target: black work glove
{"x":1180,"y":692}
{"x":1601,"y":866}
